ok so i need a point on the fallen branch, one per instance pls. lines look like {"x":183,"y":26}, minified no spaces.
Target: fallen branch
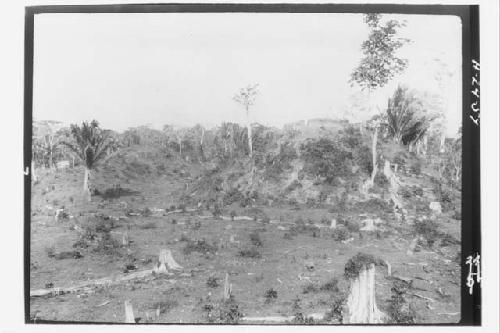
{"x":165,"y":259}
{"x":282,"y":319}
{"x":423,"y":297}
{"x":87,"y":285}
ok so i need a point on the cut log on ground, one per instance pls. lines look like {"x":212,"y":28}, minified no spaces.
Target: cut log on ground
{"x":89,"y":285}
{"x":281,"y":319}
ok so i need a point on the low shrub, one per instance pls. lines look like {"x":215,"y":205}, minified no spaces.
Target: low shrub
{"x":340,"y":234}
{"x":232,"y":196}
{"x":213,"y":282}
{"x":217,"y":211}
{"x":164,"y":306}
{"x":146,"y":212}
{"x":331,"y":285}
{"x":250,"y":253}
{"x":200,"y":246}
{"x":255,"y":239}
{"x":399,"y":311}
{"x":148,"y":225}
{"x":223,"y":312}
{"x":270,"y":295}
{"x":300,"y":319}
{"x":310,"y":288}
{"x":336,"y":307}
{"x":428,"y":230}
{"x":360,"y":261}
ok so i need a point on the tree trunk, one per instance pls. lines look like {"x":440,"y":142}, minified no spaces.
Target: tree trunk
{"x":33,"y":174}
{"x":51,"y":160}
{"x":86,"y":184}
{"x":441,"y":146}
{"x":374,"y":156}
{"x":249,"y":134}
{"x":201,"y":144}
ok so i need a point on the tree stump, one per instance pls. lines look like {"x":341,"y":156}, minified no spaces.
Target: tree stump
{"x":129,"y":313}
{"x":165,"y":260}
{"x":361,"y":305}
{"x":227,"y":288}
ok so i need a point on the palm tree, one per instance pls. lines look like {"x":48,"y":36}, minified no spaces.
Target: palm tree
{"x":90,"y":144}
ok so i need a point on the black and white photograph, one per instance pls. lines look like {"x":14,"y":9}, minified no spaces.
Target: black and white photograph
{"x":280,"y":165}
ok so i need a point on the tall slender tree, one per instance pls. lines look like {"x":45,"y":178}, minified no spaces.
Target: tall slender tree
{"x":246,"y":97}
{"x":90,"y":144}
{"x":379,"y":65}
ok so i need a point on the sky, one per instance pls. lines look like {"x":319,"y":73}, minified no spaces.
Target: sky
{"x":184,"y":68}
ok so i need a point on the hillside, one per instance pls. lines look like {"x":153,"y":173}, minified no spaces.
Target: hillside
{"x":266,"y":222}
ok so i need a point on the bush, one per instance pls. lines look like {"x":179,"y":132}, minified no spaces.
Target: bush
{"x":149,"y":225}
{"x":277,"y":164}
{"x":381,"y":180}
{"x":362,"y":156}
{"x":300,"y":319}
{"x":255,"y":238}
{"x":360,"y":261}
{"x":250,"y":253}
{"x":270,"y":295}
{"x":146,"y":212}
{"x":224,"y":312}
{"x":164,"y":306}
{"x":335,"y":312}
{"x":326,"y":158}
{"x":50,"y":251}
{"x":416,"y":167}
{"x":428,"y":230}
{"x":200,"y":246}
{"x":340,"y":234}
{"x":217,"y":211}
{"x":106,"y":244}
{"x":331,"y":285}
{"x":232,"y":196}
{"x":310,"y":288}
{"x":117,"y":192}
{"x":295,"y":184}
{"x":399,"y":311}
{"x":213,"y":282}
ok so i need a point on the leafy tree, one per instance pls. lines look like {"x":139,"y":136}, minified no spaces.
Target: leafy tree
{"x":47,"y":140}
{"x":90,"y":144}
{"x":246,"y":97}
{"x":379,"y":64}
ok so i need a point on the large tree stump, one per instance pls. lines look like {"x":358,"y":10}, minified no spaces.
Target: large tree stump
{"x":361,"y":305}
{"x":129,"y":313}
{"x":166,"y":260}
